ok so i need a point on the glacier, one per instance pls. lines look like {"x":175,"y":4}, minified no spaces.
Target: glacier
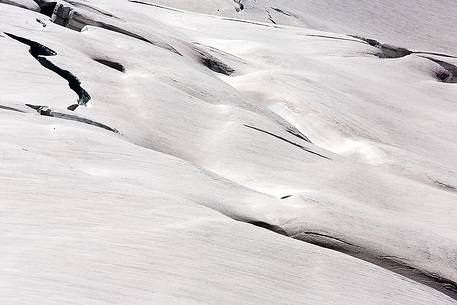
{"x":228,"y":152}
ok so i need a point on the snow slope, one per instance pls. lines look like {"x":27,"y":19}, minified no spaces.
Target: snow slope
{"x":417,"y":24}
{"x":174,"y":135}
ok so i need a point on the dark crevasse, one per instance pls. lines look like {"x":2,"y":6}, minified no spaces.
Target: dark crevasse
{"x":113,"y":65}
{"x":45,"y":111}
{"x":387,"y":50}
{"x":39,"y":52}
{"x":395,"y":264}
{"x":36,"y":49}
{"x":213,"y":63}
{"x":286,"y":140}
{"x":449,"y":75}
{"x":73,"y":81}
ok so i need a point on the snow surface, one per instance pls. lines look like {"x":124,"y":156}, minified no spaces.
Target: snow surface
{"x":205,"y":124}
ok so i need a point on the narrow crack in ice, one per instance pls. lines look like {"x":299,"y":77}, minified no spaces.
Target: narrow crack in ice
{"x":39,"y":51}
{"x":288,"y":141}
{"x":10,"y":108}
{"x":270,"y":17}
{"x":282,"y":11}
{"x":397,"y":265}
{"x":111,"y":64}
{"x":213,"y":63}
{"x":46,"y":111}
{"x":387,"y":50}
{"x":154,"y":5}
{"x":91,"y":8}
{"x":450,"y":71}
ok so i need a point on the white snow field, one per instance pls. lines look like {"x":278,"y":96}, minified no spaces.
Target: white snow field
{"x":228,"y":152}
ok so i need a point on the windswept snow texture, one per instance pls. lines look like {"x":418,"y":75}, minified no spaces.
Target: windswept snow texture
{"x":233,"y":152}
